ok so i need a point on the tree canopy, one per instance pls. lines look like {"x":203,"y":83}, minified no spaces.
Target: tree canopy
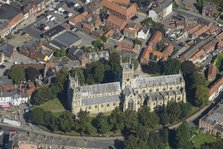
{"x":17,"y":73}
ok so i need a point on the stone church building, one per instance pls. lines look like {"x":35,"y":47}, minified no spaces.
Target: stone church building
{"x":130,"y":93}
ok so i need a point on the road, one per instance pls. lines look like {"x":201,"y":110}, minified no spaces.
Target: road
{"x":181,"y":11}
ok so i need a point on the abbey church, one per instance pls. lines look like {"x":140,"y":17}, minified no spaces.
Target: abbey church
{"x":133,"y":91}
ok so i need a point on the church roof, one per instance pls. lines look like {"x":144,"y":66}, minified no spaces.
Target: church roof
{"x":100,"y":89}
{"x":157,"y":81}
{"x":100,"y":100}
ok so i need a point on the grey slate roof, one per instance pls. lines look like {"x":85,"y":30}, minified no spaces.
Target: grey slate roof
{"x":157,"y":81}
{"x":162,"y":4}
{"x":100,"y":89}
{"x":100,"y":100}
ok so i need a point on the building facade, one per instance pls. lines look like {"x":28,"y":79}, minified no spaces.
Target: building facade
{"x":130,"y":93}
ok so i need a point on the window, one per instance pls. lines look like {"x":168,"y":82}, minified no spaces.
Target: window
{"x":164,"y":89}
{"x":130,"y":105}
{"x":157,"y":90}
{"x":150,"y":90}
{"x":114,"y":104}
{"x":108,"y":105}
{"x":102,"y":106}
{"x":96,"y":106}
{"x":89,"y":107}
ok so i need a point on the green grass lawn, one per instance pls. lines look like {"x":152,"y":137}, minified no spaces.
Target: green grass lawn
{"x":200,"y":139}
{"x":54,"y":106}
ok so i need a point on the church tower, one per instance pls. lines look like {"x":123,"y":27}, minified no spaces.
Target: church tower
{"x":127,"y":74}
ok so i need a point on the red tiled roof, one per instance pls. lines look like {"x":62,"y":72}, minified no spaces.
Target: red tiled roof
{"x":201,"y":30}
{"x":157,"y":36}
{"x":117,"y":21}
{"x":121,"y":10}
{"x":197,"y":55}
{"x":212,"y":71}
{"x":216,"y":86}
{"x":88,"y":26}
{"x":168,"y":50}
{"x":78,"y":18}
{"x":146,"y":54}
{"x":220,"y":44}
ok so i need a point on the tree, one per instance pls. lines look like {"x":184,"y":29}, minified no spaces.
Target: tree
{"x":41,"y":95}
{"x":151,"y":68}
{"x":130,"y":120}
{"x":114,"y":62}
{"x":84,"y":123}
{"x":188,"y":67}
{"x":101,"y":123}
{"x":131,"y":142}
{"x":174,"y":111}
{"x":171,"y":66}
{"x":50,"y":121}
{"x":31,"y":73}
{"x":116,"y":120}
{"x":98,"y":72}
{"x":200,"y":4}
{"x":201,"y":95}
{"x":66,"y":121}
{"x":17,"y":73}
{"x":137,"y":42}
{"x":164,"y":118}
{"x":147,"y":118}
{"x":183,"y":136}
{"x":37,"y":116}
{"x":60,"y":52}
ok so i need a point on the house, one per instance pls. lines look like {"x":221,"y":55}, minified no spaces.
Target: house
{"x":160,"y":9}
{"x":115,"y":23}
{"x":36,"y":50}
{"x":128,"y":47}
{"x":10,"y":17}
{"x":144,"y":59}
{"x":78,"y":18}
{"x":78,"y":54}
{"x":168,"y":50}
{"x":12,"y":98}
{"x":203,"y":51}
{"x":6,"y":52}
{"x":212,"y":72}
{"x":125,"y":12}
{"x":96,"y":56}
{"x":212,"y":122}
{"x":143,"y":33}
{"x":88,"y":27}
{"x":156,"y":38}
{"x":215,"y":89}
{"x":31,"y":7}
{"x":131,"y":30}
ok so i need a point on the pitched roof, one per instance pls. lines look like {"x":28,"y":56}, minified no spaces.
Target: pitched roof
{"x":216,"y":86}
{"x":146,"y":54}
{"x":78,"y":18}
{"x":116,"y":21}
{"x":197,"y":55}
{"x":201,"y":30}
{"x":125,"y":2}
{"x":212,"y":71}
{"x":157,"y":36}
{"x":119,"y":9}
{"x":168,"y":50}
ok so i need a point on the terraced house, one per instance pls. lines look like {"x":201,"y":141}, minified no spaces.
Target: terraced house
{"x":130,"y":93}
